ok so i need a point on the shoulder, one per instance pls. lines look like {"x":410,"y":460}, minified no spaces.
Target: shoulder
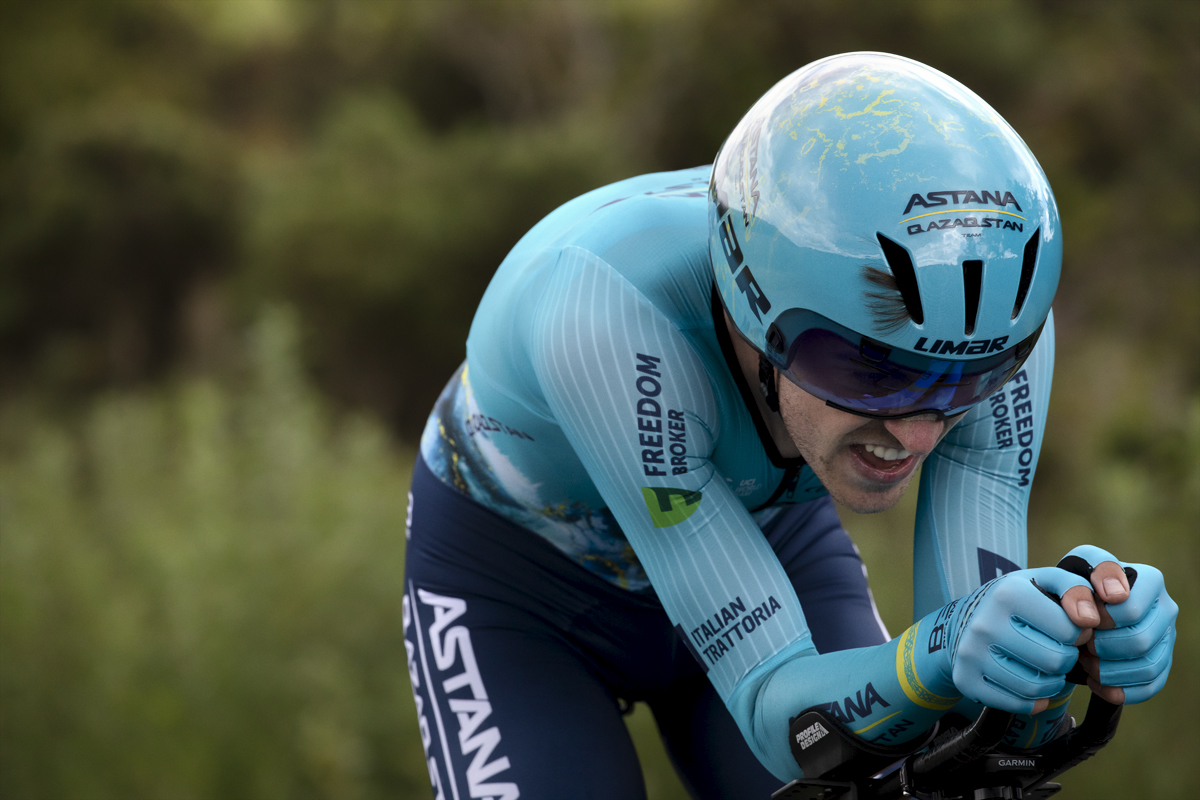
{"x":644,"y":238}
{"x":603,"y":218}
{"x":651,"y":230}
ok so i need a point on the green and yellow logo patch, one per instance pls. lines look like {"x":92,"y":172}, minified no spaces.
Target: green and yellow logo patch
{"x":670,"y":506}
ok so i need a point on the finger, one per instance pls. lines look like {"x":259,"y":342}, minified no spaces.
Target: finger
{"x":1090,"y":663}
{"x":1085,"y":636}
{"x":1049,"y":617}
{"x":1110,"y":582}
{"x":1039,"y":600}
{"x":1080,"y":562}
{"x":1022,"y":679}
{"x":992,"y":694}
{"x":1106,"y":620}
{"x":1142,"y":693}
{"x":1052,"y":580}
{"x":1147,"y":590}
{"x":1137,"y":671}
{"x":990,"y":676}
{"x":1083,"y":559}
{"x":1040,"y":705}
{"x":1136,"y":640}
{"x":1080,"y":607}
{"x":1113,"y":694}
{"x":1037,"y":650}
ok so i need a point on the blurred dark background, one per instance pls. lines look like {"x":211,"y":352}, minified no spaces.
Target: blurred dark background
{"x":247,"y":238}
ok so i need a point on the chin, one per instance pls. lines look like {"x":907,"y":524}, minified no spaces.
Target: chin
{"x":862,"y":500}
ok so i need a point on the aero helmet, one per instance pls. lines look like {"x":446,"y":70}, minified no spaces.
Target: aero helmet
{"x":882,"y":237}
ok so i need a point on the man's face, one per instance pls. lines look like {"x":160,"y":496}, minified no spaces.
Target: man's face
{"x":865,"y":463}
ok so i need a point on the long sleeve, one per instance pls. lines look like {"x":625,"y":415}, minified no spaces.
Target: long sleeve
{"x":636,"y":404}
{"x":974,"y":489}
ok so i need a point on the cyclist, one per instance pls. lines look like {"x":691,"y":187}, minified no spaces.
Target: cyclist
{"x":625,"y":492}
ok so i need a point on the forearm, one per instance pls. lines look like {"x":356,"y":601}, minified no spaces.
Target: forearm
{"x":974,"y":488}
{"x":864,"y":688}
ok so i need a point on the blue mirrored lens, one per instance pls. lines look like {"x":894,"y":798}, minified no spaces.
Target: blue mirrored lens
{"x":866,"y":376}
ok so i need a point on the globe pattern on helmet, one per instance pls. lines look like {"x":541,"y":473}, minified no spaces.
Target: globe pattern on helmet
{"x":888,"y":198}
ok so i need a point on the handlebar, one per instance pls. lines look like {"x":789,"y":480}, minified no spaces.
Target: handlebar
{"x":970,"y":763}
{"x":954,"y":754}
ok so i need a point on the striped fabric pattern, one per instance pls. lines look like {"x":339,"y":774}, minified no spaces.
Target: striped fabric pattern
{"x":594,"y":324}
{"x":596,"y":409}
{"x":974,"y":488}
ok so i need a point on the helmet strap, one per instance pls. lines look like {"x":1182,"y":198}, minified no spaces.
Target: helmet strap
{"x":767,"y":385}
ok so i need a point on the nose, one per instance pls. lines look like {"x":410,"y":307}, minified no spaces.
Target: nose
{"x":916,"y":434}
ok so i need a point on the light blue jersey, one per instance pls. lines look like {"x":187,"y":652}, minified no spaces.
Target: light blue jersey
{"x":598,"y":409}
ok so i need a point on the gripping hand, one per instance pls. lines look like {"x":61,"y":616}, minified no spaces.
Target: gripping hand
{"x":1133,"y":645}
{"x":1006,"y":645}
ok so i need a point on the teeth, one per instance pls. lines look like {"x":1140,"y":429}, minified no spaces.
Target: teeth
{"x":886,"y":453}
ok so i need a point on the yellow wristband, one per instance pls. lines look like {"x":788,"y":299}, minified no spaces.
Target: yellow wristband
{"x":906,"y":672}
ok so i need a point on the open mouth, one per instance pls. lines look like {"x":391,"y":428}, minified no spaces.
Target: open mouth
{"x":886,"y":454}
{"x":883,"y":464}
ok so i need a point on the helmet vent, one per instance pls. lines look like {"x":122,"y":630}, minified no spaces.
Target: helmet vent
{"x":1031,"y":248}
{"x":972,"y":284}
{"x":901,"y":266}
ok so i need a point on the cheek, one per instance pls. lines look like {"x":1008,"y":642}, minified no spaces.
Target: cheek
{"x":814,"y":426}
{"x":801,"y":414}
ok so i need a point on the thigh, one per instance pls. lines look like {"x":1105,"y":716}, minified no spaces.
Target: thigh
{"x":828,"y":575}
{"x":507,"y":711}
{"x":508,"y":702}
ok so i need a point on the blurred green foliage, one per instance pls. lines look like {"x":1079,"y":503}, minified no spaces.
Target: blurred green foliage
{"x":199,"y":538}
{"x":167,"y":167}
{"x":200,"y":595}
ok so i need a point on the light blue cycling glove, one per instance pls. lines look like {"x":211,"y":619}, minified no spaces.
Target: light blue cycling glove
{"x":1005,"y":645}
{"x":1136,"y":654}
